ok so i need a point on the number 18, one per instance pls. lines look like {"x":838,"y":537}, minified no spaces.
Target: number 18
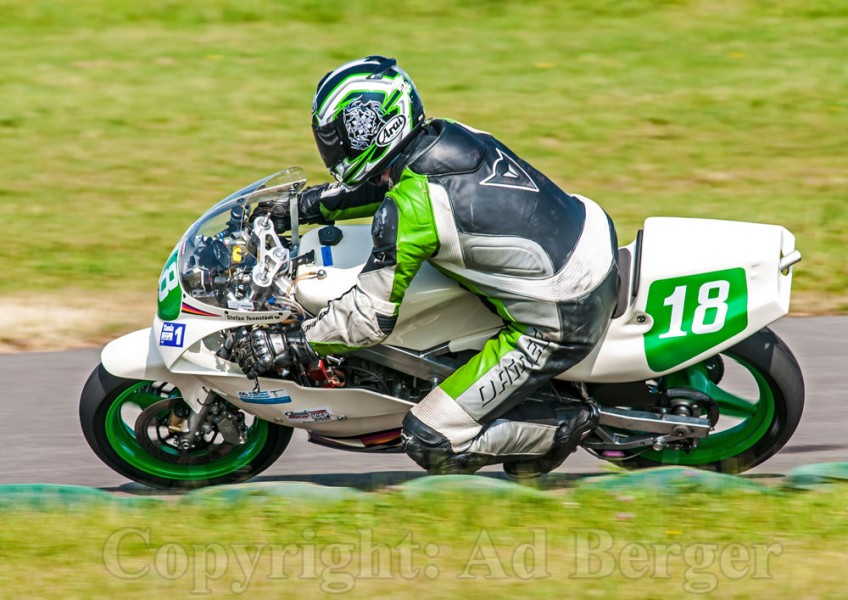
{"x":706,"y":302}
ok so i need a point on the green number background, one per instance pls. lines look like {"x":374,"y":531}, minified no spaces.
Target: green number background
{"x":665,"y":353}
{"x":169,"y":308}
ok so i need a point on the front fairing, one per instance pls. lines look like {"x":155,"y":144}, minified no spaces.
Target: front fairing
{"x":170,"y":289}
{"x":214,"y":268}
{"x":232,"y":267}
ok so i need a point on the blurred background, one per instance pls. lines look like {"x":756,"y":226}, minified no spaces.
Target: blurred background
{"x":121,"y":122}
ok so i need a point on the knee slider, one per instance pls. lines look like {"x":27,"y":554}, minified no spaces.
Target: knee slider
{"x":423,"y":444}
{"x":413,"y":426}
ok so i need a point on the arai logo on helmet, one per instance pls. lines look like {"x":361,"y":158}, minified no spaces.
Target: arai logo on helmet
{"x":362,"y":122}
{"x":391,"y":130}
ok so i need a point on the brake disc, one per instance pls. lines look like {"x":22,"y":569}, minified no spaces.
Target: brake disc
{"x":153,"y":434}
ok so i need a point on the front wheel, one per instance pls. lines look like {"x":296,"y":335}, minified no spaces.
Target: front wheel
{"x":125,"y":422}
{"x":760,"y":399}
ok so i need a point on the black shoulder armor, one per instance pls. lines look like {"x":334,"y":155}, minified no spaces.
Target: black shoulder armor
{"x":446,"y":149}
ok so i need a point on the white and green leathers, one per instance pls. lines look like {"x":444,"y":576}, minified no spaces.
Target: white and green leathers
{"x":542,"y":259}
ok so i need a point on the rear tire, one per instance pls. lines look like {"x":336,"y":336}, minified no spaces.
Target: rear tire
{"x":113,"y":439}
{"x":777,"y":410}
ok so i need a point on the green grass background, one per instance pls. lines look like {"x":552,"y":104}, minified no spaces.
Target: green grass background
{"x":121,"y":121}
{"x":472,"y":542}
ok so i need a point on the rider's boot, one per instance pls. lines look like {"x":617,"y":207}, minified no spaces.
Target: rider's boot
{"x":432,"y":451}
{"x":531,"y":439}
{"x":576,"y":420}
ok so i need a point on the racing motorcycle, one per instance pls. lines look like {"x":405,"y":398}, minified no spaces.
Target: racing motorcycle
{"x":687,"y":373}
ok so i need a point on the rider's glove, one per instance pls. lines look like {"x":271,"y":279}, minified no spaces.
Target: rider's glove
{"x":261,"y":351}
{"x":308,"y":205}
{"x":278,"y":210}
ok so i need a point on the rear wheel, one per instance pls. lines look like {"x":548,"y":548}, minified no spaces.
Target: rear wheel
{"x":126,"y":424}
{"x":760,"y":399}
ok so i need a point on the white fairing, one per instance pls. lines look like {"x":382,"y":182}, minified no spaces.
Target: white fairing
{"x":436,"y":311}
{"x":134,"y":356}
{"x":333,"y":412}
{"x":676,"y":247}
{"x":137,"y":355}
{"x":339,"y":412}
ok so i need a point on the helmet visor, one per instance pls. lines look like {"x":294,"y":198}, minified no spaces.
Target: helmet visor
{"x":330,"y":144}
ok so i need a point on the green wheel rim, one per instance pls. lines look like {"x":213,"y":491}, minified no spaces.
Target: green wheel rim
{"x":756,"y":417}
{"x":123,"y":441}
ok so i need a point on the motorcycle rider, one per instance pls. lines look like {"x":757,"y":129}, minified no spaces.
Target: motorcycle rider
{"x":542,"y":259}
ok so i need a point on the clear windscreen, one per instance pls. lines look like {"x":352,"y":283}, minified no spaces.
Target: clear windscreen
{"x":237,"y":256}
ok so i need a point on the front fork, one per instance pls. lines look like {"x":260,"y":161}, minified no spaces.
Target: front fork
{"x":194,"y":426}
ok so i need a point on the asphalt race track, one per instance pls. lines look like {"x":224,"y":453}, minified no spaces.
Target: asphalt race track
{"x":42,"y":441}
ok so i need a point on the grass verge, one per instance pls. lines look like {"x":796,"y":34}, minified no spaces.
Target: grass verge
{"x":585,"y":543}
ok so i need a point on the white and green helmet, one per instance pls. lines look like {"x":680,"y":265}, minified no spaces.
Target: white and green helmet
{"x":363,"y":113}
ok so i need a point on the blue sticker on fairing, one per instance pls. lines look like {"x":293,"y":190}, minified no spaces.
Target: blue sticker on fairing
{"x":269,"y":397}
{"x":173,"y":334}
{"x":327,"y":256}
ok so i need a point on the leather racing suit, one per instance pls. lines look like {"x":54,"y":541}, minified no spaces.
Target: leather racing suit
{"x":543,"y":259}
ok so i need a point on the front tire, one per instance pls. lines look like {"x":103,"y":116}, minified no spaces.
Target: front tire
{"x":767,"y":421}
{"x":104,"y":404}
